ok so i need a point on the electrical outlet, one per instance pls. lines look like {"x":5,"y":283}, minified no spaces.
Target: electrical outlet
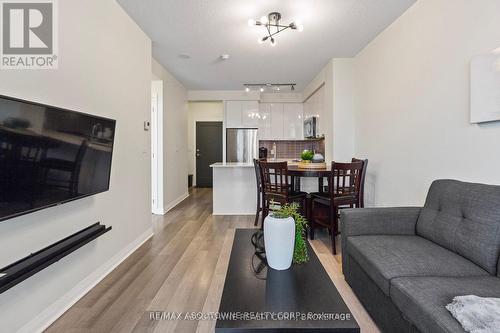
{"x":147,"y":125}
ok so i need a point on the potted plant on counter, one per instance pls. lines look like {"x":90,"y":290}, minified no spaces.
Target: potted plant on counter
{"x":284,"y":237}
{"x":307,"y":156}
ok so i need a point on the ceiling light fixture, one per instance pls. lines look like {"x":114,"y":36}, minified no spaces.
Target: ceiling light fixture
{"x":262,"y":86}
{"x":273,"y":26}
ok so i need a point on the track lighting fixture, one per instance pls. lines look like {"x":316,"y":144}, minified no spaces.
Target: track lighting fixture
{"x":262,"y":86}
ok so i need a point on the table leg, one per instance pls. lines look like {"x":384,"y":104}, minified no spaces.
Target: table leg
{"x":320,"y":184}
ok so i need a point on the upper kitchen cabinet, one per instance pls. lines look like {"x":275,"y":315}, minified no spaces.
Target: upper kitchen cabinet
{"x":242,"y":114}
{"x":293,"y":122}
{"x":250,"y":114}
{"x":281,"y":121}
{"x":277,"y":120}
{"x":265,"y":132}
{"x":233,"y":114}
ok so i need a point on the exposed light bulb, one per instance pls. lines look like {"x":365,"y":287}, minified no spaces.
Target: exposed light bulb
{"x":247,"y":89}
{"x":251,"y":22}
{"x":261,"y":89}
{"x":273,"y":42}
{"x":264,"y":20}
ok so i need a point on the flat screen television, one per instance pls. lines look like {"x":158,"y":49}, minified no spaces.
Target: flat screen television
{"x":49,"y":156}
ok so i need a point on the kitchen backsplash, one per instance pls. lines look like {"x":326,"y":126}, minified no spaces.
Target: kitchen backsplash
{"x":291,"y":149}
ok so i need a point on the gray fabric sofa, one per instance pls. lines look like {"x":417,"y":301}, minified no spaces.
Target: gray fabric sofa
{"x":406,"y":264}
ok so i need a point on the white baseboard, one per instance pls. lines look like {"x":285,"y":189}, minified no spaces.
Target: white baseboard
{"x":159,"y":211}
{"x":42,"y":321}
{"x":174,"y":203}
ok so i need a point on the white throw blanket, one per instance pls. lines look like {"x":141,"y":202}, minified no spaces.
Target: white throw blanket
{"x":476,"y":314}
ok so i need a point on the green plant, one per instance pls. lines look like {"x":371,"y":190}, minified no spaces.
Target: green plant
{"x":300,"y":249}
{"x":307,"y":155}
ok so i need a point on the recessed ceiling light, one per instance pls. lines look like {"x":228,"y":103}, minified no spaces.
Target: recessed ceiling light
{"x":224,"y":56}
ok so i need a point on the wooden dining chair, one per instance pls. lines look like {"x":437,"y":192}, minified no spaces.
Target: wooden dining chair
{"x":344,"y":186}
{"x":276,"y":188}
{"x":361,"y":194}
{"x":260,"y":198}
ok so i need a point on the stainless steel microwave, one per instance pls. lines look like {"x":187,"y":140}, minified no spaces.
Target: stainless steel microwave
{"x":310,"y":127}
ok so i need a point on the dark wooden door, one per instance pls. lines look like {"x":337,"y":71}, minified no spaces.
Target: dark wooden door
{"x":208,"y":150}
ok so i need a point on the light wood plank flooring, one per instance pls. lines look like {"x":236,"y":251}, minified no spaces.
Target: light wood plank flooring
{"x":180,"y":269}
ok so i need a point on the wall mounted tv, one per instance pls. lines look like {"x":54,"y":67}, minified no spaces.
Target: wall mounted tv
{"x":50,"y":156}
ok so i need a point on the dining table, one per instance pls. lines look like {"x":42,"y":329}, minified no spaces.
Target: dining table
{"x":295,"y":172}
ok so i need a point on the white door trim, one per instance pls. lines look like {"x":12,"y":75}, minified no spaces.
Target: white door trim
{"x":157,"y":147}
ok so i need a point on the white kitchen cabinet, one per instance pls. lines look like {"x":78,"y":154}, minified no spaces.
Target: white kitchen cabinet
{"x":242,"y":114}
{"x":265,"y":121}
{"x":277,"y":120}
{"x":281,"y":121}
{"x":233,"y":114}
{"x":293,"y":122}
{"x":250,"y":114}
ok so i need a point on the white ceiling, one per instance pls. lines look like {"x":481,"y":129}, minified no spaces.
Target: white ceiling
{"x":205,"y":29}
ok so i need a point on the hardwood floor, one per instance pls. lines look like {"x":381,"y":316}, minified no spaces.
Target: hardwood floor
{"x":180,"y":269}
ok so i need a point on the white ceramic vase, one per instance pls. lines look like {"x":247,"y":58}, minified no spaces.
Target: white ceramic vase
{"x":279,"y":241}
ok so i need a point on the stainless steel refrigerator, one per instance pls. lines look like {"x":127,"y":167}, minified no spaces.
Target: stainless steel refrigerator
{"x":241,"y":144}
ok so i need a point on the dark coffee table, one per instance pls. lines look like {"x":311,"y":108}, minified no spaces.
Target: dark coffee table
{"x":305,"y":292}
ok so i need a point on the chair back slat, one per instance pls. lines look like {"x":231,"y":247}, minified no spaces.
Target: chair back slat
{"x":345,"y":179}
{"x":274,"y":178}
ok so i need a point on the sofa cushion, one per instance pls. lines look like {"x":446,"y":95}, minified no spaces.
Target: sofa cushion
{"x":387,"y":257}
{"x":422,"y":300}
{"x":464,"y":218}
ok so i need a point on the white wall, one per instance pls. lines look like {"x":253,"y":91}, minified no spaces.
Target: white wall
{"x":175,"y":137}
{"x":200,"y":111}
{"x":222,"y":95}
{"x":343,"y":109}
{"x":241,"y":95}
{"x":412,"y":118}
{"x":281,"y":97}
{"x":104,"y":69}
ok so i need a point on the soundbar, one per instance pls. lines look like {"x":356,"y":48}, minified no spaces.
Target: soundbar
{"x":19,"y":271}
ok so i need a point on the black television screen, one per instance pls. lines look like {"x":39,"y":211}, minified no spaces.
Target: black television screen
{"x":50,"y":156}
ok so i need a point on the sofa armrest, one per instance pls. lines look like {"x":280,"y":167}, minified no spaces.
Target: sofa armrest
{"x":379,"y":221}
{"x":375,"y":221}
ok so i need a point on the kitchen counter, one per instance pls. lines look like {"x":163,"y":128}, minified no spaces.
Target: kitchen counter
{"x":235,"y":187}
{"x":250,"y":165}
{"x":232,"y":165}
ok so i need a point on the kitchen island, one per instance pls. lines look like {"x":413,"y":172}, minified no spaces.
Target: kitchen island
{"x":235,"y":188}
